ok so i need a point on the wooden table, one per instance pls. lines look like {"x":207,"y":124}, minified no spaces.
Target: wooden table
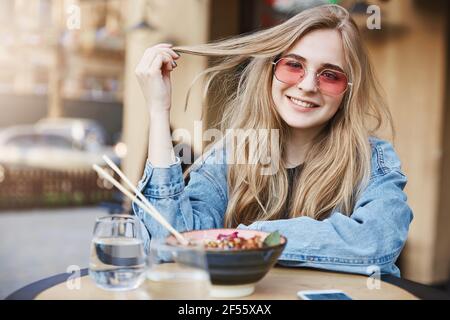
{"x":279,"y":284}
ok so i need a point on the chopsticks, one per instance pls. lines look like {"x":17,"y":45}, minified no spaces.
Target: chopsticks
{"x":139,"y":198}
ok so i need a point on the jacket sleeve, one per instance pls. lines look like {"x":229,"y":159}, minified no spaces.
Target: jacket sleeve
{"x":199,"y":205}
{"x":373,"y":235}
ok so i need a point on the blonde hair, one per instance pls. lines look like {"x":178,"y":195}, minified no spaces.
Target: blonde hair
{"x":337,"y":165}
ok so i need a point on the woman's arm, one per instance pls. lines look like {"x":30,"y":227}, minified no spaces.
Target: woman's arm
{"x":199,"y":205}
{"x":153,"y":74}
{"x":202,"y":203}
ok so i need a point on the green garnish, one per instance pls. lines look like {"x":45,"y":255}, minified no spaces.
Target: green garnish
{"x":272,"y":239}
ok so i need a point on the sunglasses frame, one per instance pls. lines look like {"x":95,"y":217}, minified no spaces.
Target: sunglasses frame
{"x":274,"y":63}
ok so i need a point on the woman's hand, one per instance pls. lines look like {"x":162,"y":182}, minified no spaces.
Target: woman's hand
{"x":153,"y":73}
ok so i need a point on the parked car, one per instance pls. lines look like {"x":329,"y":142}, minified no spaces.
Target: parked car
{"x":54,"y":146}
{"x":87,"y":133}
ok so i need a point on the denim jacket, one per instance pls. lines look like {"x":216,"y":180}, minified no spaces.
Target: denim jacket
{"x":367,"y":242}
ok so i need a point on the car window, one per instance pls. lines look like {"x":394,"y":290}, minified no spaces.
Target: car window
{"x":24,"y":141}
{"x":55,"y":141}
{"x":37,"y":140}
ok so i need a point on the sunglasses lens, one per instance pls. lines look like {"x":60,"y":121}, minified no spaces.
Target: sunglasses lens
{"x":333,"y":83}
{"x":289,"y":71}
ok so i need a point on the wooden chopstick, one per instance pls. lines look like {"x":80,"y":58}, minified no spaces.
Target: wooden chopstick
{"x":148,"y":209}
{"x":122,"y":175}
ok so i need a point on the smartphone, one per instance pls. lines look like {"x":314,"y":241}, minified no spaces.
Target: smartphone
{"x":323,"y":295}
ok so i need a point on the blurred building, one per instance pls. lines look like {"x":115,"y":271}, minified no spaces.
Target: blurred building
{"x":58,"y":59}
{"x":62,"y":58}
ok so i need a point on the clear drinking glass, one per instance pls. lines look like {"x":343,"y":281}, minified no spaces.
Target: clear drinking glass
{"x":177,"y":272}
{"x":118,"y":259}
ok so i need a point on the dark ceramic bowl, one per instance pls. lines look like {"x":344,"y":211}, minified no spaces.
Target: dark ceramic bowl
{"x":237,"y":267}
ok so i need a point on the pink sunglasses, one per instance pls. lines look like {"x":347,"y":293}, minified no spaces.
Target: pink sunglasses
{"x":292,"y":71}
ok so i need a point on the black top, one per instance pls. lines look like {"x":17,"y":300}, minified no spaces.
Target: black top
{"x":293,"y":174}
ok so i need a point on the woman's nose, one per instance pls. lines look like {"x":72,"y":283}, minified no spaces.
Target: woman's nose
{"x":308,"y":83}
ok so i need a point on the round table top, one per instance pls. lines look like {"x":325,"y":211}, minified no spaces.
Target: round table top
{"x":280,"y":283}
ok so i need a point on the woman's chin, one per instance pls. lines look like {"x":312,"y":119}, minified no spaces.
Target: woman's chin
{"x":301,"y":124}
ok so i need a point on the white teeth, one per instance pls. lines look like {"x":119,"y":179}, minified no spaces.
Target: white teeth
{"x":303,"y":103}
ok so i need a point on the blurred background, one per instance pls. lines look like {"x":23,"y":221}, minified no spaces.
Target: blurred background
{"x":68,"y":95}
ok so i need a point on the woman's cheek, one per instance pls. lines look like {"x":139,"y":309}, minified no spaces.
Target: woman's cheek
{"x":333,"y":104}
{"x":277,"y":94}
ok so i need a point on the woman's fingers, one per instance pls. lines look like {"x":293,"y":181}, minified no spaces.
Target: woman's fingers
{"x":150,"y":55}
{"x":160,"y":61}
{"x":172,"y":53}
{"x":163,"y":44}
{"x":166,"y":62}
{"x":152,"y":52}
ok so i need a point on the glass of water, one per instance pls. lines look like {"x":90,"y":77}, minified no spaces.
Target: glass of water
{"x":118,"y":259}
{"x":177,"y":272}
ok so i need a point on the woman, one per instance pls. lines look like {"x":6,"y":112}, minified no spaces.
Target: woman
{"x":337,"y":191}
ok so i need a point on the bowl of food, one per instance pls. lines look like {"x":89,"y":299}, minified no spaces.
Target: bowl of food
{"x":237,"y":259}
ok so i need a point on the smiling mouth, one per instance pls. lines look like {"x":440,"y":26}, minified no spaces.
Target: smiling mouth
{"x":303,"y":104}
